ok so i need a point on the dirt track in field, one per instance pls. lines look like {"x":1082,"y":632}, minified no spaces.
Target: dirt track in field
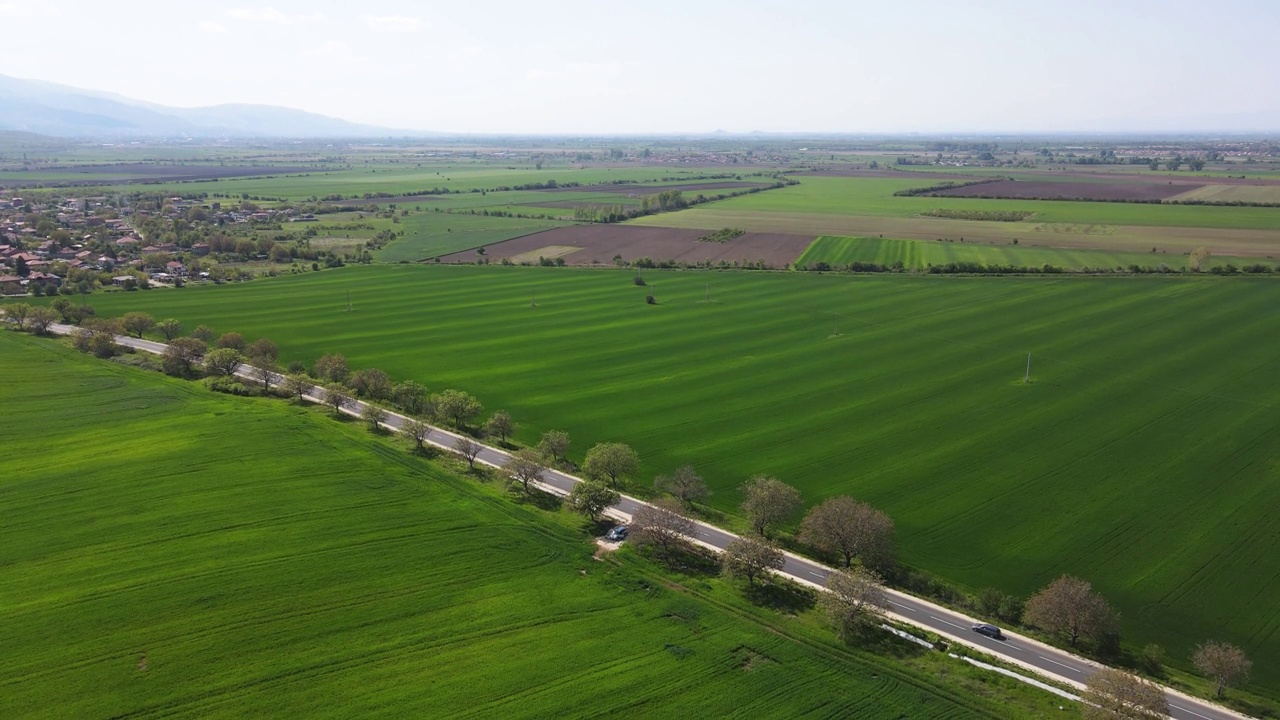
{"x":601,"y":243}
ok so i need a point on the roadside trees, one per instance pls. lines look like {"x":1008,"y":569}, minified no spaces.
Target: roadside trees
{"x":662,"y":524}
{"x":169,"y":328}
{"x":417,"y":431}
{"x":335,"y":396}
{"x":18,"y":314}
{"x":848,"y":528}
{"x":371,"y":383}
{"x":40,"y":318}
{"x":223,"y":361}
{"x":684,"y":485}
{"x":610,"y":460}
{"x":458,"y":406}
{"x":373,"y":416}
{"x":1111,"y":694}
{"x":262,"y":351}
{"x":1197,"y":259}
{"x":1069,"y":607}
{"x":203,"y":333}
{"x":767,"y":502}
{"x":469,"y":449}
{"x":853,"y":600}
{"x":297,"y":385}
{"x":523,"y":468}
{"x":64,"y":307}
{"x":554,"y":444}
{"x":749,"y":558}
{"x":1224,"y":663}
{"x":332,"y":368}
{"x":499,"y":425}
{"x":410,"y":396}
{"x":137,"y":323}
{"x":592,"y":497}
{"x":181,"y":356}
{"x":233,"y":340}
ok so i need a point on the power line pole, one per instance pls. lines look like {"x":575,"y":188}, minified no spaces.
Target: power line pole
{"x":1027,"y":379}
{"x":348,"y":301}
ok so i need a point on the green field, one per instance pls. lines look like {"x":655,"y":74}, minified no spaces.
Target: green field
{"x":919,"y":254}
{"x":169,"y":552}
{"x":431,"y":234}
{"x":1142,"y":457}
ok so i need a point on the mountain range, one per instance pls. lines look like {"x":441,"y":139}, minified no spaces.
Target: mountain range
{"x":63,"y":111}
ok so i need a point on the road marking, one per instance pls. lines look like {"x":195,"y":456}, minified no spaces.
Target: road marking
{"x":1193,"y":712}
{"x":1055,"y":662}
{"x":904,"y":607}
{"x":949,"y":623}
{"x":815,"y":574}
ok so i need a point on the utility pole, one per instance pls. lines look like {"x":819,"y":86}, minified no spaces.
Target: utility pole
{"x":348,"y":301}
{"x":708,"y":293}
{"x":535,"y":299}
{"x":1027,"y":379}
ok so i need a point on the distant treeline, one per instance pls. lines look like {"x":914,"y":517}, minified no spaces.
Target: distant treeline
{"x":912,"y":192}
{"x":989,"y":215}
{"x":973,"y":268}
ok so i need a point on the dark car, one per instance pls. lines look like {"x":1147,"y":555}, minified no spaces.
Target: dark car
{"x":990,"y":631}
{"x":616,"y":534}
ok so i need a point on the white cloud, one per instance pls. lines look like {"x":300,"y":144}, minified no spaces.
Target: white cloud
{"x":10,"y":10}
{"x":393,"y":23}
{"x":272,"y":15}
{"x":210,"y":26}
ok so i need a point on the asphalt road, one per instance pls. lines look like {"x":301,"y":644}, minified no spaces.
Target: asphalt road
{"x":1033,"y":655}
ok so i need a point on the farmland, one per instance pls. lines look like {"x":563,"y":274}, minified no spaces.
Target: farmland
{"x":1140,"y":458}
{"x":170,"y":552}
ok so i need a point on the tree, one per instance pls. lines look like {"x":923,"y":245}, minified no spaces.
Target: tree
{"x":1198,"y":258}
{"x":499,"y":424}
{"x":418,"y":431}
{"x":1224,"y":663}
{"x":410,"y":396}
{"x":854,"y":598}
{"x":750,"y":557}
{"x":1154,"y":164}
{"x":662,"y":524}
{"x":264,"y":371}
{"x":181,"y":356}
{"x":1196,"y":165}
{"x":40,"y":318}
{"x":468,"y":449}
{"x":684,"y":485}
{"x":18,"y":314}
{"x":554,"y":444}
{"x":203,"y":333}
{"x":169,"y":328}
{"x":263,"y":351}
{"x":523,"y":467}
{"x":297,"y":385}
{"x":223,"y":361}
{"x":1069,"y":607}
{"x":767,"y":501}
{"x":846,"y":527}
{"x":592,"y":497}
{"x":1111,"y":694}
{"x":611,"y":460}
{"x":374,"y":416}
{"x":458,"y":406}
{"x":232,"y":340}
{"x":137,"y":323}
{"x":336,"y":397}
{"x":332,"y":368}
{"x":20,"y":267}
{"x":371,"y":383}
{"x":63,"y":306}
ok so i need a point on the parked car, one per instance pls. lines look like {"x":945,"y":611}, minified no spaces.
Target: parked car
{"x":617,"y":534}
{"x":990,"y":631}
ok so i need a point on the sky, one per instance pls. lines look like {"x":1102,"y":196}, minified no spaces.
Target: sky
{"x":675,"y":66}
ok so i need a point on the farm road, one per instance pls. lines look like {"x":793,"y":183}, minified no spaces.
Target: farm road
{"x":1017,"y":650}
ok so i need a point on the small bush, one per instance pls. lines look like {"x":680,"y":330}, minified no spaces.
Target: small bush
{"x":651,"y":300}
{"x":230,"y":386}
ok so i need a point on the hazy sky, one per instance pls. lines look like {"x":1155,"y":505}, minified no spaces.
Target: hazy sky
{"x":605,"y":66}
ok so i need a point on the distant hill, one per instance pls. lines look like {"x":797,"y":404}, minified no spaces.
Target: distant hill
{"x":63,"y":111}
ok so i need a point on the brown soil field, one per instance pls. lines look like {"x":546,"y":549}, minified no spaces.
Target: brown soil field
{"x":926,"y":178}
{"x":601,"y":243}
{"x":1030,"y":190}
{"x":638,"y":189}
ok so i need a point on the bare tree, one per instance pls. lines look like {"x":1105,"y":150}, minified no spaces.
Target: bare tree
{"x":137,"y":323}
{"x":610,"y":460}
{"x":264,"y":371}
{"x":767,"y":501}
{"x":684,"y":484}
{"x":663,"y":524}
{"x":523,"y":468}
{"x":846,"y":527}
{"x":332,"y":368}
{"x":554,"y":444}
{"x":468,"y":449}
{"x":1226,"y":664}
{"x":169,"y":328}
{"x":371,"y":383}
{"x":373,"y":416}
{"x":336,"y":397}
{"x":181,"y":356}
{"x":853,"y":599}
{"x":1112,"y":694}
{"x":1069,"y":607}
{"x":262,"y":349}
{"x":297,"y":385}
{"x":750,"y":557}
{"x":499,"y":425}
{"x":592,"y":497}
{"x":418,"y":431}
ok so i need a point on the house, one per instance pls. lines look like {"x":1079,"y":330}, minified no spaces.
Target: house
{"x":122,"y":280}
{"x":46,"y":279}
{"x":173,"y":267}
{"x":200,"y":249}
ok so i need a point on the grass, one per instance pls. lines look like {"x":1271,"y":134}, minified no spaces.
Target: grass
{"x":430,"y":234}
{"x":919,"y":254}
{"x":1140,"y":457}
{"x":170,"y":552}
